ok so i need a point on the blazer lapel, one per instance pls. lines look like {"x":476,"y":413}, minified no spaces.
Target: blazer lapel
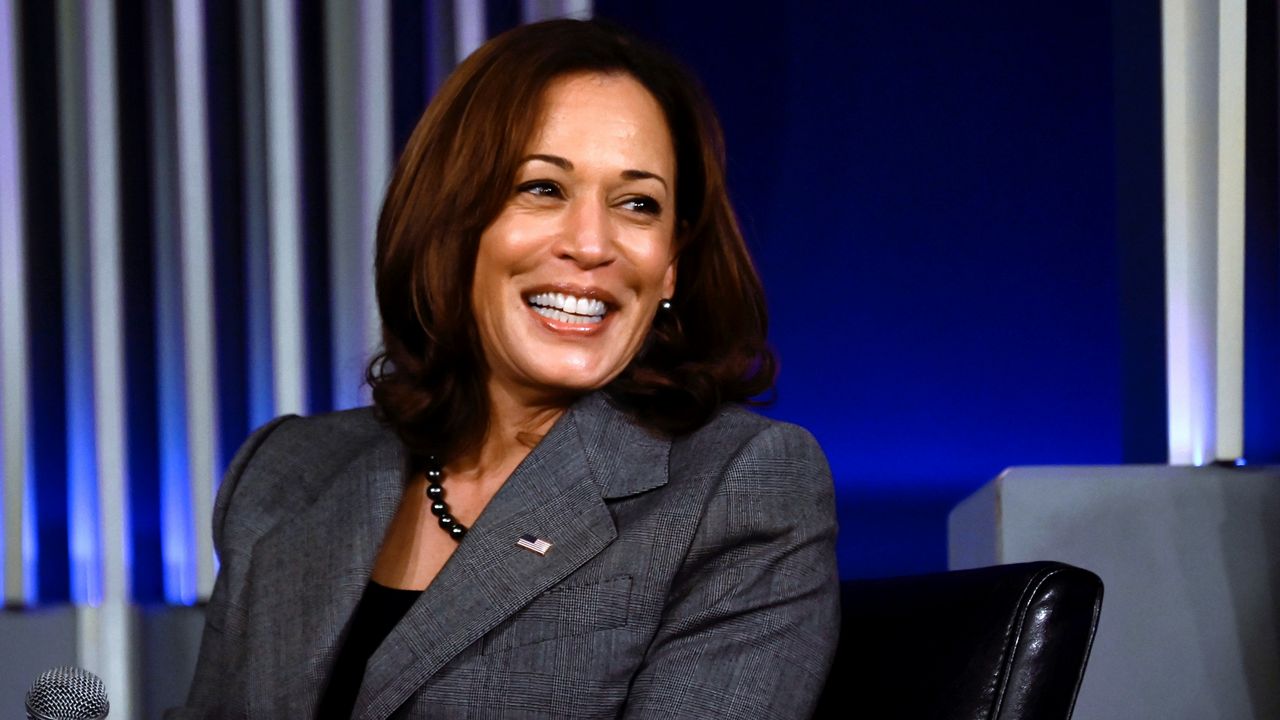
{"x":320,"y":562}
{"x":557,"y":494}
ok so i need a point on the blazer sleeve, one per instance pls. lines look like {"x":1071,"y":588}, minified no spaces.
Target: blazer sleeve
{"x":751,"y":625}
{"x":215,"y":676}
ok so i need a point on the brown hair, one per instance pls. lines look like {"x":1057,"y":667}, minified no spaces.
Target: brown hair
{"x":458,"y":171}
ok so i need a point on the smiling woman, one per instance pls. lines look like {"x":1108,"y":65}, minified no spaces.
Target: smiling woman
{"x":558,"y":506}
{"x":569,"y":275}
{"x":477,"y":159}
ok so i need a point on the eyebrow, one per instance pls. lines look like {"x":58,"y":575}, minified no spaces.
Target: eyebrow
{"x":564,"y":164}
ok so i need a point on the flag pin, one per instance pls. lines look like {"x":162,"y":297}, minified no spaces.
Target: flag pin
{"x":536,"y":544}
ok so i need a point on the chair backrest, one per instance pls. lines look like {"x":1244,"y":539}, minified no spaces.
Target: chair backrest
{"x":1007,"y":642}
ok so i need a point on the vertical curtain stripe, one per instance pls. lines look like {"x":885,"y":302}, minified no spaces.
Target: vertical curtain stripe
{"x":358,"y":120}
{"x":224,"y":109}
{"x":468,"y":27}
{"x":1190,"y":96}
{"x":314,"y":201}
{"x":410,"y":69}
{"x":1229,"y":389}
{"x":284,"y":207}
{"x":342,"y":79}
{"x":107,"y":299}
{"x":176,"y":526}
{"x":45,"y":227}
{"x":18,"y":492}
{"x":259,"y":306}
{"x":197,"y":272}
{"x":105,"y":643}
{"x":441,"y":42}
{"x":1204,"y":128}
{"x":138,"y":297}
{"x":375,"y":143}
{"x":538,"y":10}
{"x":86,"y":580}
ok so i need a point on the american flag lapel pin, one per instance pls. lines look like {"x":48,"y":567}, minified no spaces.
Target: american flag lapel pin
{"x":536,"y":544}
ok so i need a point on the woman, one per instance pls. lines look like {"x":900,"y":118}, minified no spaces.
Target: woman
{"x":556,"y":509}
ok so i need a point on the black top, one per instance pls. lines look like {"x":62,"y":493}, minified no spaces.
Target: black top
{"x":379,"y":610}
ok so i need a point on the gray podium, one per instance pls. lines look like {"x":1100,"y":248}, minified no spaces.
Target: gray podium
{"x":1190,"y":558}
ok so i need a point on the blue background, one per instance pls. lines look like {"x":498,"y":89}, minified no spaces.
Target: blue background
{"x":956,"y":209}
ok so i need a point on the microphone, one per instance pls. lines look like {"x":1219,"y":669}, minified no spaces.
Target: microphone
{"x":67,"y":693}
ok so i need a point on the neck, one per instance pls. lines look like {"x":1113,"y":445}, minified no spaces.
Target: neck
{"x":516,"y":425}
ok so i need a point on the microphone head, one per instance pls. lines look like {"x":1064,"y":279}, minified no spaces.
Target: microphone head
{"x":67,"y":693}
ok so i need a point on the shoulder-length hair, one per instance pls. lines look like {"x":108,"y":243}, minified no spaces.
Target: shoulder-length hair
{"x":458,"y":171}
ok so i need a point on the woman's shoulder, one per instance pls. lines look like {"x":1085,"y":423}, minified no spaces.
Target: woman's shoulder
{"x":743,"y":448}
{"x":294,"y":444}
{"x":287,"y":461}
{"x":734,"y":431}
{"x":767,"y":492}
{"x":328,"y":432}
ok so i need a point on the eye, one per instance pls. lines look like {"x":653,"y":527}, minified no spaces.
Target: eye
{"x":643,"y":204}
{"x":540,"y":188}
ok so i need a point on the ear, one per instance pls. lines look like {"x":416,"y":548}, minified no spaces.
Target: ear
{"x":677,"y":244}
{"x":669,"y":280}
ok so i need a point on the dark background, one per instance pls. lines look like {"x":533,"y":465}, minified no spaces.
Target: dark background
{"x":957,"y":211}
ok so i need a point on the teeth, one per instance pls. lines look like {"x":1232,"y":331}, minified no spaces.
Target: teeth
{"x":585,"y":309}
{"x":564,"y":317}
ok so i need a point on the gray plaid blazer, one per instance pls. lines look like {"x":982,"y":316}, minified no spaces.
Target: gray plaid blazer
{"x":689,"y":578}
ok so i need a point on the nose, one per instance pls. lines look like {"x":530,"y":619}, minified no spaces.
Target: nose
{"x":589,"y":238}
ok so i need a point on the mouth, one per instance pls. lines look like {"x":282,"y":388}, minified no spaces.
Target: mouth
{"x":579,"y":307}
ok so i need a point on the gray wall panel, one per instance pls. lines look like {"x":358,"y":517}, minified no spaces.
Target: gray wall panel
{"x":1190,"y":559}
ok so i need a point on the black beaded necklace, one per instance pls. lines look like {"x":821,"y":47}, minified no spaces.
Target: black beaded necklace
{"x":435,"y":493}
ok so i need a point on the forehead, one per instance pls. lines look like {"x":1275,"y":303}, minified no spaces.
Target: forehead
{"x":604,"y":116}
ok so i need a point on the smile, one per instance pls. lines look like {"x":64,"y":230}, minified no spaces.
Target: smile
{"x":568,"y":308}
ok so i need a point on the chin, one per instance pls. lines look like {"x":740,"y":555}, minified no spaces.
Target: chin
{"x":572,"y":381}
{"x":575,"y":385}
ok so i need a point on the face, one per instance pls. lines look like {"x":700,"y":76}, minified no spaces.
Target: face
{"x":569,"y":276}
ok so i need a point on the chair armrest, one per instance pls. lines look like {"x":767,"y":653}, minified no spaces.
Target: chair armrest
{"x":998,"y":643}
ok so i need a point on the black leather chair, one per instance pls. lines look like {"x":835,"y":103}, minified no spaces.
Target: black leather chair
{"x":1008,"y":642}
